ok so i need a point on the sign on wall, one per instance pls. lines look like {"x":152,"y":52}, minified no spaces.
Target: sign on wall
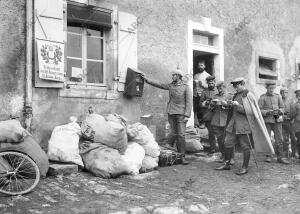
{"x":51,"y":60}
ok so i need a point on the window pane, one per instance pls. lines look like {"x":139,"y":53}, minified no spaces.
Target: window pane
{"x":73,"y":70}
{"x":94,"y":72}
{"x":74,"y":45}
{"x":94,"y":48}
{"x":74,"y":29}
{"x":91,"y":32}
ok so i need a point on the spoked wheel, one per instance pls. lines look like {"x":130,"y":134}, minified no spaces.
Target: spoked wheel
{"x":19,"y":174}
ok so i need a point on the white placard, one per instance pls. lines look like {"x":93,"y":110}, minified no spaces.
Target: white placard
{"x":77,"y":72}
{"x":51,"y":60}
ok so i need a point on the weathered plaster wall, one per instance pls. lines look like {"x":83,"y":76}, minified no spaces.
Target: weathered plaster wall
{"x":12,"y":60}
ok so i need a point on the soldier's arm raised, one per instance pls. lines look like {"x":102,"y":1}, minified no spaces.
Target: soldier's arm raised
{"x":155,"y":83}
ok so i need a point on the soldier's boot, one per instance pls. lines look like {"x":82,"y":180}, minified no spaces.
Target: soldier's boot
{"x":184,"y":161}
{"x":244,"y":169}
{"x":221,"y":149}
{"x":226,"y":165}
{"x":280,"y":158}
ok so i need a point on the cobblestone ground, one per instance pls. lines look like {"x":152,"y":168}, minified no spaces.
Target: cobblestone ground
{"x":196,"y":188}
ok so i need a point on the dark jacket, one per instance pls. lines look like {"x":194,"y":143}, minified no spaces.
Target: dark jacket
{"x":238,"y":122}
{"x":207,"y":95}
{"x":180,"y":97}
{"x":220,"y":112}
{"x":295,"y":114}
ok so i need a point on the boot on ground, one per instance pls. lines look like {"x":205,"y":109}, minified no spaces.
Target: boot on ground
{"x":283,"y":161}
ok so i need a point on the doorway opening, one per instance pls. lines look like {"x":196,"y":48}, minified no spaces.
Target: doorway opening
{"x":208,"y":59}
{"x":206,"y":43}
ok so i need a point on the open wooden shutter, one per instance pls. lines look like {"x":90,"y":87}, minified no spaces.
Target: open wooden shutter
{"x":127,"y":42}
{"x":48,"y":25}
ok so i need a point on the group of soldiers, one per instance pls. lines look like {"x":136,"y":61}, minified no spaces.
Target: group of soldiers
{"x":238,"y":118}
{"x":233,"y":118}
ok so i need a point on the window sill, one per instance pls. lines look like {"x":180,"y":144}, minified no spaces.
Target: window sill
{"x":88,"y":92}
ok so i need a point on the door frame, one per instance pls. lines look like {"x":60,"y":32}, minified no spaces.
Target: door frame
{"x":217,"y":49}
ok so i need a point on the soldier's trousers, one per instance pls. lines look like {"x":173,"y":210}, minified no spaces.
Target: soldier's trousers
{"x":177,"y":134}
{"x":298,"y":142}
{"x":277,"y":129}
{"x":211,"y":136}
{"x":287,"y":134}
{"x":219,"y":132}
{"x":231,"y":139}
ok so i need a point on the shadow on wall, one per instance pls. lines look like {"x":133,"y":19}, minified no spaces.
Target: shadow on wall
{"x":154,"y":100}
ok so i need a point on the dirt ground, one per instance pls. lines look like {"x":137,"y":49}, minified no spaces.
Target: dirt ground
{"x":196,"y":188}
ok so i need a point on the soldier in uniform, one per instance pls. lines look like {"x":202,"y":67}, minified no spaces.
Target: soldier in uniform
{"x":207,"y":110}
{"x":287,"y":130}
{"x":245,"y":127}
{"x":219,"y":118}
{"x":178,"y":109}
{"x":272,"y":109}
{"x":296,"y":118}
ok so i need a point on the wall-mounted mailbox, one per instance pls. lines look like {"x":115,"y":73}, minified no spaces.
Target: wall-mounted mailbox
{"x":134,"y":83}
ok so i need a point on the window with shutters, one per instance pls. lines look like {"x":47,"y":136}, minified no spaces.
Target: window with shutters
{"x":100,"y":43}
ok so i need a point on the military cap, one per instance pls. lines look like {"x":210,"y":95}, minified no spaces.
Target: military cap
{"x":237,"y":80}
{"x":270,"y":83}
{"x":177,"y":71}
{"x":210,"y":78}
{"x":220,"y":83}
{"x":283,"y":88}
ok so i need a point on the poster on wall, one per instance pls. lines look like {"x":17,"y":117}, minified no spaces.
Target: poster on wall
{"x":51,"y":60}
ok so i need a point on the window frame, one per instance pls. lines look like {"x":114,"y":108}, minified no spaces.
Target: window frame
{"x":268,"y":56}
{"x":110,"y":91}
{"x":85,"y":59}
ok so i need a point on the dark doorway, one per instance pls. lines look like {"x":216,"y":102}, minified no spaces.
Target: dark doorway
{"x":208,"y":58}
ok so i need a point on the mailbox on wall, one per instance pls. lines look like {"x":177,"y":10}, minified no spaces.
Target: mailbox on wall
{"x":134,"y":83}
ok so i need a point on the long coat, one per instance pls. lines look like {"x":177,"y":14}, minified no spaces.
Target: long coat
{"x":261,"y":138}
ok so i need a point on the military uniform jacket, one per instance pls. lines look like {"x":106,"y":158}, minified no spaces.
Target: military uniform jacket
{"x":206,"y":95}
{"x":219,"y":118}
{"x":269,"y":102}
{"x":296,"y":116}
{"x":287,"y":103}
{"x":238,"y":122}
{"x":180,"y":97}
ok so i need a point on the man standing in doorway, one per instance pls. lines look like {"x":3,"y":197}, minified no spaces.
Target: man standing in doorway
{"x":272,"y":108}
{"x":199,"y":85}
{"x":178,"y":109}
{"x":246,"y":126}
{"x":207,"y":110}
{"x":287,"y":129}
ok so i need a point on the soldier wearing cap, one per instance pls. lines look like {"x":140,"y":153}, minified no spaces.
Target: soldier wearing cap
{"x":287,"y":130}
{"x":272,"y":109}
{"x":178,"y":109}
{"x":219,"y":118}
{"x":207,"y":110}
{"x":295,"y":115}
{"x":245,"y":127}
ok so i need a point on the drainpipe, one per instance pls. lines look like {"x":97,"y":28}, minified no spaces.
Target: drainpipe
{"x":28,"y":73}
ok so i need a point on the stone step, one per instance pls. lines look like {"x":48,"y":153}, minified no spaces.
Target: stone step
{"x":62,"y":169}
